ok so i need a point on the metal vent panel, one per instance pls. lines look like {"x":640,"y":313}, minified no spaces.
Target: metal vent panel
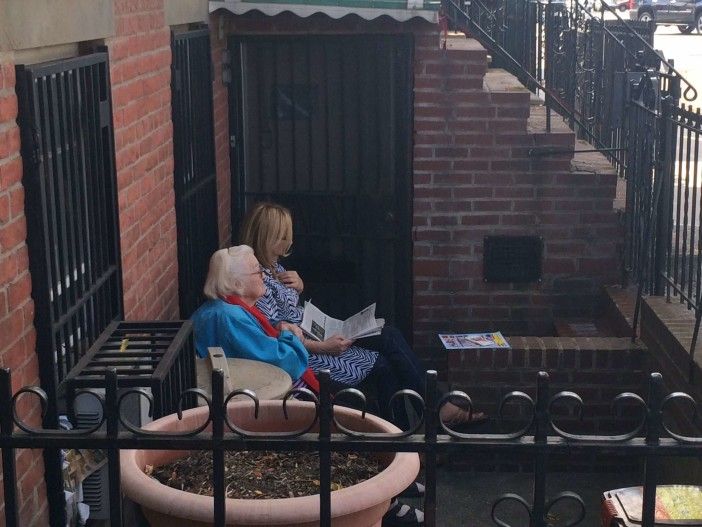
{"x":512,"y":259}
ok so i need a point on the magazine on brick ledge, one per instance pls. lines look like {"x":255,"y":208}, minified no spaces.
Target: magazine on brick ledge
{"x":320,"y":326}
{"x":461,"y":341}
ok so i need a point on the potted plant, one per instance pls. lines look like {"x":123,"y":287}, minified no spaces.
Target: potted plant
{"x":360,"y":505}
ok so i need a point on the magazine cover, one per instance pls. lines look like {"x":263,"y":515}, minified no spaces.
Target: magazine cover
{"x":457,"y":341}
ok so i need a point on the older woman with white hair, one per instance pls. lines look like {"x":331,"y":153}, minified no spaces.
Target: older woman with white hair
{"x":230,"y":319}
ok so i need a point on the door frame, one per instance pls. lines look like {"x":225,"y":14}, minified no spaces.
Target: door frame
{"x":403,"y":192}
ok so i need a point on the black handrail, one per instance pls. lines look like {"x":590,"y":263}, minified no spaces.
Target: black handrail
{"x":519,"y":70}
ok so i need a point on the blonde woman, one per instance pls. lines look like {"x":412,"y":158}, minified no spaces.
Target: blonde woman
{"x":267,"y":228}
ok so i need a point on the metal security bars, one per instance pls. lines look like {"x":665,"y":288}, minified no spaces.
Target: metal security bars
{"x":194,"y":163}
{"x":540,"y":438}
{"x":65,"y":119}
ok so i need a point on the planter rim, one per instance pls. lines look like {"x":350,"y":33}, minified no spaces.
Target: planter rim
{"x":156,"y":496}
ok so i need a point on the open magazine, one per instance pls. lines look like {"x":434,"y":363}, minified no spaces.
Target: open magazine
{"x":320,"y":326}
{"x":458,"y":341}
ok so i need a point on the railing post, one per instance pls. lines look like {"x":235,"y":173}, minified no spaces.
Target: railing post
{"x":113,"y":468}
{"x":655,"y":398}
{"x":431,"y":417}
{"x":548,"y":59}
{"x":540,"y":438}
{"x":9,"y":468}
{"x":325,"y":421}
{"x":663,"y":205}
{"x":218,"y":410}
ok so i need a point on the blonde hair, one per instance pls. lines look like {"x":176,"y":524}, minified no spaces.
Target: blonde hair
{"x":265,"y":225}
{"x":227,"y":266}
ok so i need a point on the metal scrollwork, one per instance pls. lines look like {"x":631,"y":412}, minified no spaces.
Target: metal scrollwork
{"x":568,"y":496}
{"x":44,"y":403}
{"x":681,"y":396}
{"x":516,"y":498}
{"x":359,"y":395}
{"x":622,"y":397}
{"x":159,"y":433}
{"x":505,"y":498}
{"x":291,"y":394}
{"x":510,"y":397}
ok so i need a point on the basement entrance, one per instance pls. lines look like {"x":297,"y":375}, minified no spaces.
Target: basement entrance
{"x":322,"y":125}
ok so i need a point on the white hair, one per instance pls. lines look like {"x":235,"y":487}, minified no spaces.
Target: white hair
{"x":226,"y":268}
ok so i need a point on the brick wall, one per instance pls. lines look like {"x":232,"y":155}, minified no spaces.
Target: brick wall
{"x":667,"y":329}
{"x":221,"y":136}
{"x":597,"y":369}
{"x":140,"y":60}
{"x":16,"y":306}
{"x":474,"y":177}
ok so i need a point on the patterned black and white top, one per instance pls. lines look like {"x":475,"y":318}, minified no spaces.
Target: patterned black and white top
{"x":280,"y":303}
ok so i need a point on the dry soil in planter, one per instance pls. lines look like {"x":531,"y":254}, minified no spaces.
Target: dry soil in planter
{"x":264,"y":475}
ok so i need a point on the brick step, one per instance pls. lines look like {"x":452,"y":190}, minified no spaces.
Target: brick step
{"x":584,"y":327}
{"x":560,"y":135}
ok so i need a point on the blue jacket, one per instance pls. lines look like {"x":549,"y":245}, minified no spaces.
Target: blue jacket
{"x":217,"y":323}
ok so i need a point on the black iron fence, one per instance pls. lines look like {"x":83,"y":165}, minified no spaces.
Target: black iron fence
{"x":540,"y":438}
{"x":664,"y":222}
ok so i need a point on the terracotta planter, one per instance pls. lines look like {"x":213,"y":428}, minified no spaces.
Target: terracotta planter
{"x":361,"y":505}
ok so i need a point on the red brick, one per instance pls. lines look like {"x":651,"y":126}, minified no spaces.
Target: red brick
{"x":8,"y":108}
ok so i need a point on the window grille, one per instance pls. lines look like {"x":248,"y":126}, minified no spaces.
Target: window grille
{"x":65,"y":119}
{"x":194,"y":164}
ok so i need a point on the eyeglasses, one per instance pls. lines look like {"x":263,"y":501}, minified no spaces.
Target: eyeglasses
{"x":259,"y":273}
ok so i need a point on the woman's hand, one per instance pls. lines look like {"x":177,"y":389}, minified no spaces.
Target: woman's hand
{"x":335,"y":345}
{"x":293,"y":328}
{"x":292,"y":279}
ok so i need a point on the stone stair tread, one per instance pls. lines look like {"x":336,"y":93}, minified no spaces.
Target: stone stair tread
{"x":458,"y":41}
{"x":594,"y":162}
{"x":537,"y":121}
{"x":499,"y":80}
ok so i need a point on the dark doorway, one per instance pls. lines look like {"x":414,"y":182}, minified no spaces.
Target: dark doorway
{"x":322,"y":124}
{"x":194,"y":164}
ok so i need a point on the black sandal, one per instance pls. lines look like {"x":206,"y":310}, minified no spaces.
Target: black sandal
{"x":415,"y":490}
{"x":401,"y":515}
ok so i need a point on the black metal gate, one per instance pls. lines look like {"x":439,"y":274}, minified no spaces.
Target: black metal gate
{"x":322,"y":124}
{"x":65,"y":118}
{"x":194,"y":164}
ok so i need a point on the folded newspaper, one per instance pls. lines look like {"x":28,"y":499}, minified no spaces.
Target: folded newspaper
{"x":320,"y":326}
{"x":457,"y":341}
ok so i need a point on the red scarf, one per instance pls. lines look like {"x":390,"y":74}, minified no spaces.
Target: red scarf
{"x":308,"y":375}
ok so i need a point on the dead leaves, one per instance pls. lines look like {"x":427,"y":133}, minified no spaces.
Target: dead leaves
{"x":264,"y":475}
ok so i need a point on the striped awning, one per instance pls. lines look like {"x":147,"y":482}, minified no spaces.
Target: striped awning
{"x":400,"y":10}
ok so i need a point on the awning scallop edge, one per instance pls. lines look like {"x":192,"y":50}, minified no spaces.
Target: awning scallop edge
{"x":414,"y":9}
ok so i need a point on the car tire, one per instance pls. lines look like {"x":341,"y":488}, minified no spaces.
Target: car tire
{"x":623,"y":7}
{"x":698,"y":23}
{"x":686,"y":30}
{"x":647,"y":16}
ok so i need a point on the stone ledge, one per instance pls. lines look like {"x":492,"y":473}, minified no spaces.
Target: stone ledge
{"x":26,"y":24}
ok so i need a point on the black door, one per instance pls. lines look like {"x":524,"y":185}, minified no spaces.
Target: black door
{"x":194,"y":164}
{"x":322,"y":125}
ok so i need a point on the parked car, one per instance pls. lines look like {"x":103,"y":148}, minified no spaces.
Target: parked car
{"x":622,"y":5}
{"x":686,"y":14}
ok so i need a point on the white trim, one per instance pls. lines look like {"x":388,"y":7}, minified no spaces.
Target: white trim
{"x":401,"y":15}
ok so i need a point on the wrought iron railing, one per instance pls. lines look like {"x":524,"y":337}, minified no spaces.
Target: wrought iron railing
{"x":664,"y":224}
{"x":580,"y":64}
{"x":541,"y":437}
